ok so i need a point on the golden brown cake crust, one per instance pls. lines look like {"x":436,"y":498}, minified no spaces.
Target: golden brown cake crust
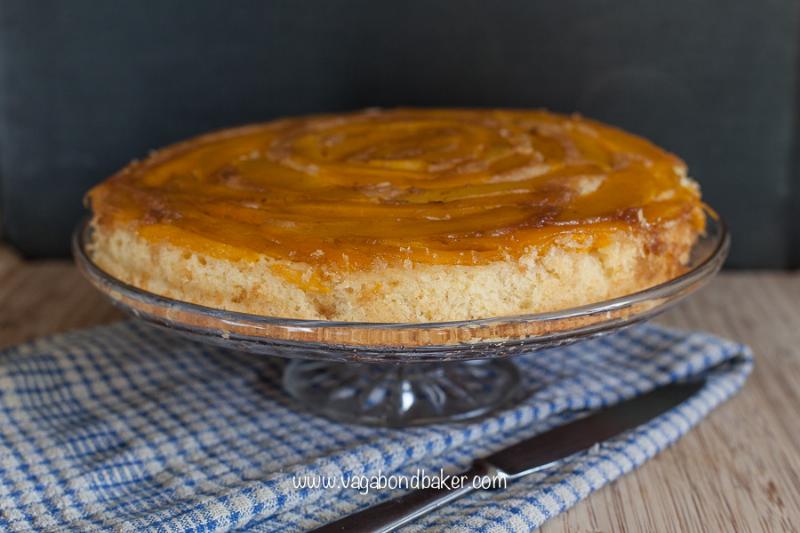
{"x":400,"y":216}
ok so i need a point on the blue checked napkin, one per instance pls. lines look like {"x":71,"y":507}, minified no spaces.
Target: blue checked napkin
{"x":127,"y":428}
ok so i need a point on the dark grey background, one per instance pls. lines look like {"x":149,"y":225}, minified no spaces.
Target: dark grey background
{"x":85,"y":86}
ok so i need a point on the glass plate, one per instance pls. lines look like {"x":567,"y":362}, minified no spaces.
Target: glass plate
{"x":430,"y":372}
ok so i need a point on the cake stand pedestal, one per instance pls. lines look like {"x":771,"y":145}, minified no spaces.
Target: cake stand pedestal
{"x":397,"y":395}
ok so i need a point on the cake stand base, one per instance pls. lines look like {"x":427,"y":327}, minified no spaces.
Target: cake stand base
{"x":397,"y":395}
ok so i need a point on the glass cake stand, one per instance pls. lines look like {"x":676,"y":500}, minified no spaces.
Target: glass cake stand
{"x":405,"y":374}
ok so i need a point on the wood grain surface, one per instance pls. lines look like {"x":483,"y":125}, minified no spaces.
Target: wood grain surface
{"x":739,"y":470}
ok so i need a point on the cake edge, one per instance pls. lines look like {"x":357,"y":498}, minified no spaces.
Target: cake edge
{"x":560,"y":276}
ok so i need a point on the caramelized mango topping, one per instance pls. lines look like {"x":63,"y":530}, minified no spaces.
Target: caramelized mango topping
{"x":385,"y":187}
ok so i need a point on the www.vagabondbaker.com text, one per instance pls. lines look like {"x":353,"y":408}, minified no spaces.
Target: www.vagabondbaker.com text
{"x":419,"y":480}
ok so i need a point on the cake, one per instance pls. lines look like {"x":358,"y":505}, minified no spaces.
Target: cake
{"x":403,"y":215}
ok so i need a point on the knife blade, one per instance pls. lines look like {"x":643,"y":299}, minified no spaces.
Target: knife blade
{"x":524,"y":458}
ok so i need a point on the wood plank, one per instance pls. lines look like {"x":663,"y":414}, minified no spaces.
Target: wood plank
{"x":737,"y":471}
{"x":44,"y":297}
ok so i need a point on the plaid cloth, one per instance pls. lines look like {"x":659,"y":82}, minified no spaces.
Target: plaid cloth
{"x":127,"y":428}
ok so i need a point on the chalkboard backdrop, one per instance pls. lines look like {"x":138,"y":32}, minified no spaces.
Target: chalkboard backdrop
{"x":85,"y":86}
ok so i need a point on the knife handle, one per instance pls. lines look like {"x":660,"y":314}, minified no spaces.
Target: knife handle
{"x":396,"y":512}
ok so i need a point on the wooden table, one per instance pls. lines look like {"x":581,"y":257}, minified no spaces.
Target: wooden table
{"x":739,"y":470}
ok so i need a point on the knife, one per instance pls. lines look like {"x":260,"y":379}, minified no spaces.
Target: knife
{"x":521,"y":459}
